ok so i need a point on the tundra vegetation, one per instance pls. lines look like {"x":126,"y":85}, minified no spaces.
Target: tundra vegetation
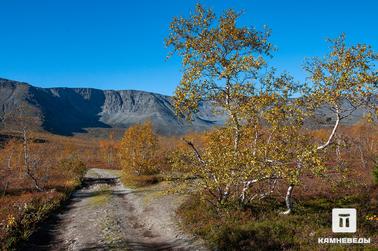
{"x":38,"y":171}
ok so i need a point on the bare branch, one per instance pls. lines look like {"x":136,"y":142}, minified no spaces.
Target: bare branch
{"x":196,"y":152}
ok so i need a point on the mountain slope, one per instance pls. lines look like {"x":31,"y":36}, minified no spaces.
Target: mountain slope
{"x":67,"y":111}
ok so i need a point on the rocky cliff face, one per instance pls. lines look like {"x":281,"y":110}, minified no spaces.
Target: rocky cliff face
{"x":68,"y":111}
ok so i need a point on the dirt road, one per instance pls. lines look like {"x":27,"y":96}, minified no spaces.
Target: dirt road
{"x":105,"y":215}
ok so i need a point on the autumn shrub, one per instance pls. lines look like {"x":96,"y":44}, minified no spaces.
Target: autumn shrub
{"x":139,"y":154}
{"x":55,"y":164}
{"x":73,"y":166}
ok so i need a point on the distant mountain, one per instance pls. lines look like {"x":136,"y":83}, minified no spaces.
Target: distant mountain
{"x":67,"y":111}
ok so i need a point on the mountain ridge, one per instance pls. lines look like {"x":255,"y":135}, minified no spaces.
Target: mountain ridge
{"x":67,"y":111}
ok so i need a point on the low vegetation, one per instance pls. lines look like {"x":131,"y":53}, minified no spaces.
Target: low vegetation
{"x":30,"y":196}
{"x":260,"y":227}
{"x":38,"y":173}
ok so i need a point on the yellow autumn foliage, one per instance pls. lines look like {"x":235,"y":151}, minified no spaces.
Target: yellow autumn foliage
{"x":138,"y":150}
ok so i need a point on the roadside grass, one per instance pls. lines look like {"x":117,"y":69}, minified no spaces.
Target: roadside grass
{"x":134,"y":181}
{"x":21,"y":214}
{"x":100,"y":197}
{"x":22,"y":207}
{"x":161,"y":191}
{"x":115,"y":172}
{"x":261,"y":227}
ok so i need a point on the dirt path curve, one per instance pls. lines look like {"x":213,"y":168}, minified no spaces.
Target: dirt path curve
{"x":105,"y":215}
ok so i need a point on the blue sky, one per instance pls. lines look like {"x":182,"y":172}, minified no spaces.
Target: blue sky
{"x":119,"y":44}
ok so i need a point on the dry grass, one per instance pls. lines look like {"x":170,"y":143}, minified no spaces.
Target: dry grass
{"x":61,"y":165}
{"x":347,"y":182}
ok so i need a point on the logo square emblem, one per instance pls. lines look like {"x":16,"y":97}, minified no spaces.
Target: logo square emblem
{"x":344,"y":220}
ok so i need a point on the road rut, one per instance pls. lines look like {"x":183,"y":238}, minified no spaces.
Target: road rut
{"x":105,"y":215}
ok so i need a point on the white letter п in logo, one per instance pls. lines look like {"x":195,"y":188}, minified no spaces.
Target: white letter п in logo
{"x":344,"y":220}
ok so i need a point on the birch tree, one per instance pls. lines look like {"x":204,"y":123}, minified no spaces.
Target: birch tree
{"x":264,"y":141}
{"x":7,"y":165}
{"x":220,"y":62}
{"x":342,"y":82}
{"x":22,"y":121}
{"x":222,"y":65}
{"x":108,"y":149}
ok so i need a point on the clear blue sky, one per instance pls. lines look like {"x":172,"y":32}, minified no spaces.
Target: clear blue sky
{"x":119,"y":44}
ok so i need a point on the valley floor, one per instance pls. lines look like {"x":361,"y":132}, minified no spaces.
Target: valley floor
{"x":105,"y":215}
